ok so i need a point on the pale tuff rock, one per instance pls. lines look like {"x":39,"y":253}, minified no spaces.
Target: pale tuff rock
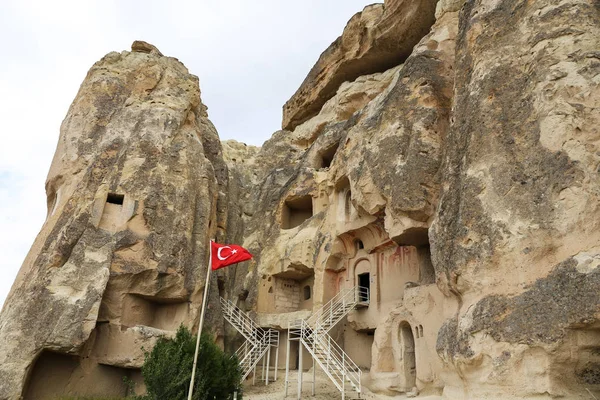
{"x":449,"y":164}
{"x":363,"y":176}
{"x":349,"y":98}
{"x":444,"y":6}
{"x":393,"y":152}
{"x":144,"y":47}
{"x":374,"y":40}
{"x":521,"y":201}
{"x":514,"y":155}
{"x":132,"y":200}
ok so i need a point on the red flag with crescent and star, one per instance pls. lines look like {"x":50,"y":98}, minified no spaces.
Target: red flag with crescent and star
{"x":224,"y":255}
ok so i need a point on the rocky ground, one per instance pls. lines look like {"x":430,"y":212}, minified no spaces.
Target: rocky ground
{"x":325,"y":389}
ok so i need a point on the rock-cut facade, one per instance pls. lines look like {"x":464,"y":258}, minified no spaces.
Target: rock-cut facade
{"x":444,"y":155}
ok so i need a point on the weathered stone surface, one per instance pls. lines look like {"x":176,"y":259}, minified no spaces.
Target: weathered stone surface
{"x":374,"y":40}
{"x":369,"y":165}
{"x":144,"y":47}
{"x":132,"y":201}
{"x":281,"y":320}
{"x":393,"y":154}
{"x":457,"y":181}
{"x":349,"y":98}
{"x":519,"y":212}
{"x":444,"y":6}
{"x":514,"y":239}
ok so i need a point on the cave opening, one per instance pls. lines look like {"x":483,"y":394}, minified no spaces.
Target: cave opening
{"x":325,"y":157}
{"x":418,"y":237}
{"x":295,"y":211}
{"x":408,"y":357}
{"x":364,"y":282}
{"x":114,"y":198}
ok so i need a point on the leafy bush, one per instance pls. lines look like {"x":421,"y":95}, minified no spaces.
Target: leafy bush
{"x":100,"y":398}
{"x":167,"y":369}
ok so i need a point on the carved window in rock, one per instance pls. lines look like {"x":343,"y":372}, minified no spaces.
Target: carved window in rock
{"x":159,"y":313}
{"x":419,"y":238}
{"x":114,"y":198}
{"x":325,"y":157}
{"x":295,"y":211}
{"x":348,"y":205}
{"x":112,"y":213}
{"x":359,"y":245}
{"x":306,"y":292}
{"x":343,"y":196}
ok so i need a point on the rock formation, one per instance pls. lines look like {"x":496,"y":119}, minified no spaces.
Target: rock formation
{"x":516,"y":233}
{"x":378,"y":38}
{"x":443,"y":155}
{"x":135,"y":190}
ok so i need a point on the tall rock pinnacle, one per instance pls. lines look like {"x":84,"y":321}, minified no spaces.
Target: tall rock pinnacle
{"x":132,"y":201}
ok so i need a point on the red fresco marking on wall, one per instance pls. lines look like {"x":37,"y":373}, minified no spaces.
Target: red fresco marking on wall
{"x":399,"y":257}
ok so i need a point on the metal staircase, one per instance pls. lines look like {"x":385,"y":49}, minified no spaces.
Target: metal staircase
{"x":313,"y":334}
{"x":338,"y":307}
{"x":258,"y":341}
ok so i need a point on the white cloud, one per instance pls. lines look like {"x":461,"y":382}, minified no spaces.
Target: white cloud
{"x":250,"y":57}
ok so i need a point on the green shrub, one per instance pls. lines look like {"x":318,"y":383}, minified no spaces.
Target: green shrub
{"x":100,"y":398}
{"x":167,"y":369}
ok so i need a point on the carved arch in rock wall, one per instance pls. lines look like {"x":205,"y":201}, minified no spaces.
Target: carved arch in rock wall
{"x":341,"y":249}
{"x":412,"y":365}
{"x":360,"y":266}
{"x":406,"y":350}
{"x":373,"y":237}
{"x":343,"y":195}
{"x":346,"y":255}
{"x":397,"y":349}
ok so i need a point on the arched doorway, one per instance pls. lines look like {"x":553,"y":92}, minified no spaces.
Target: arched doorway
{"x":408,"y":370}
{"x":363,"y":278}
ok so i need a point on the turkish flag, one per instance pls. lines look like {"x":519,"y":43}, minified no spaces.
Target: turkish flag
{"x":227,"y":254}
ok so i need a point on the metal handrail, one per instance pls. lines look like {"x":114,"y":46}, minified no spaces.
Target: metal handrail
{"x":243,"y":350}
{"x":343,"y":367}
{"x":330,"y":356}
{"x":336,"y":308}
{"x":324,"y":340}
{"x":241,"y":321}
{"x":271,"y":338}
{"x":343,"y":297}
{"x":332,"y":373}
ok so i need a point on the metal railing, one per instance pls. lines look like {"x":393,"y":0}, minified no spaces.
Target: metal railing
{"x":314,"y":336}
{"x":241,"y":321}
{"x":337,"y":308}
{"x":258,"y":341}
{"x":331,"y":358}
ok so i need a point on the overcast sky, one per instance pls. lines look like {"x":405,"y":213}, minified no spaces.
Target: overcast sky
{"x":250,"y":56}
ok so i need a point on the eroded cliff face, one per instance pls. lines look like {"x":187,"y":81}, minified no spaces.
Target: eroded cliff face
{"x":443,"y":155}
{"x":134,"y":193}
{"x":376,"y":39}
{"x":467,"y":175}
{"x":516,"y":235}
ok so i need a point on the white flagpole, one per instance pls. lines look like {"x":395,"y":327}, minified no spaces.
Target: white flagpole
{"x":191,"y":391}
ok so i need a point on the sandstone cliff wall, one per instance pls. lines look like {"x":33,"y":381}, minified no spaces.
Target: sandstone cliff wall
{"x":476,"y":159}
{"x":444,"y":155}
{"x":516,"y":233}
{"x":136,"y":188}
